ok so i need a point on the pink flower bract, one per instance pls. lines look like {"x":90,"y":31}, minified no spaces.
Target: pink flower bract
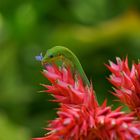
{"x":80,"y":117}
{"x":127,"y":83}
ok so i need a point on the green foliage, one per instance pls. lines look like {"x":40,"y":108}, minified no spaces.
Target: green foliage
{"x":12,"y":131}
{"x":95,"y":30}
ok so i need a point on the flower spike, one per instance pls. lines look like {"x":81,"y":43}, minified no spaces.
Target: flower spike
{"x":79,"y":116}
{"x":127,"y":83}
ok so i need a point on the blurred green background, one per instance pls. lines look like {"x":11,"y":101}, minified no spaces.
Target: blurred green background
{"x":95,"y":30}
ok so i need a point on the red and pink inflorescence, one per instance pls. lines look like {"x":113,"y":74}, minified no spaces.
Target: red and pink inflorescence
{"x":127,"y":83}
{"x":80,"y":117}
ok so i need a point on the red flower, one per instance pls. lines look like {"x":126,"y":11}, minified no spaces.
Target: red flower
{"x":79,"y":115}
{"x":127,"y":83}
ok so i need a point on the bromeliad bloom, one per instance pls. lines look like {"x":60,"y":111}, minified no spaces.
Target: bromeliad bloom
{"x":127,"y":83}
{"x":80,"y":117}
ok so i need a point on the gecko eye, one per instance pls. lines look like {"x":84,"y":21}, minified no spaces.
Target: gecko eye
{"x":51,"y":56}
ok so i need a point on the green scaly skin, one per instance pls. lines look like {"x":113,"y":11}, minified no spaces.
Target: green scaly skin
{"x":64,"y":54}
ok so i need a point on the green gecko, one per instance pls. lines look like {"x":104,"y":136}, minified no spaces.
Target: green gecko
{"x":64,"y":54}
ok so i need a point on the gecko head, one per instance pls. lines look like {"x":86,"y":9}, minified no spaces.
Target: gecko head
{"x":52,"y":54}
